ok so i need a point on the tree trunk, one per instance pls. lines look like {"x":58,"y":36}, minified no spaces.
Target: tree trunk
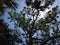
{"x":30,"y":38}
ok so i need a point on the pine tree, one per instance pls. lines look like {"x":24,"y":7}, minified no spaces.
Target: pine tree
{"x":28,"y":20}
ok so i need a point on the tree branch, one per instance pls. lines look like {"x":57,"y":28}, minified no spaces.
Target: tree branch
{"x":50,"y":38}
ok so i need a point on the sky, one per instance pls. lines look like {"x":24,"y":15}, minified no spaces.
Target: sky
{"x":20,"y":7}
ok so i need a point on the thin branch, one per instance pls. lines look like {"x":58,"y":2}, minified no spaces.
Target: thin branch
{"x":50,"y":38}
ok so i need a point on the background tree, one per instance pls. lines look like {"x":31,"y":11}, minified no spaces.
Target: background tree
{"x":5,"y":37}
{"x":8,"y":36}
{"x":7,"y":4}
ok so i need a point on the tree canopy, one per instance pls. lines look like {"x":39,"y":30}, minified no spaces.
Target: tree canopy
{"x":28,"y":20}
